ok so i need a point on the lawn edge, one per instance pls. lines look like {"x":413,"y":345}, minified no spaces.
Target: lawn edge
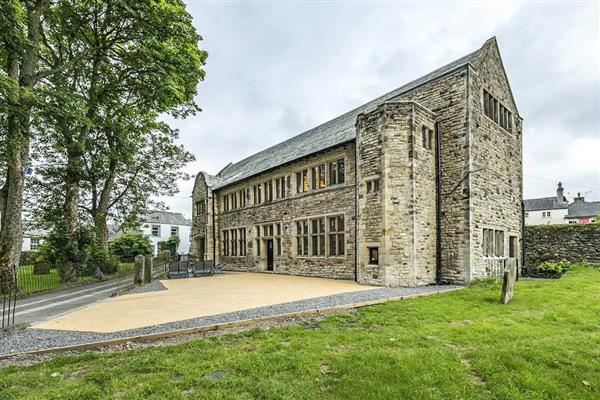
{"x":219,"y":326}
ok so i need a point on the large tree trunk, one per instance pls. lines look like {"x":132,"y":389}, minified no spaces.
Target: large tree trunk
{"x":71,"y":205}
{"x":101,"y":212}
{"x":17,"y":136}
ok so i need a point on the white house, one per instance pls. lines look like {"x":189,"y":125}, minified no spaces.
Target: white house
{"x":161,"y":225}
{"x":32,"y":237}
{"x":547,"y":210}
{"x":581,"y":211}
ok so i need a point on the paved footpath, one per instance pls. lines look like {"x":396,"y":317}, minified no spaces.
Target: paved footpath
{"x":50,"y":305}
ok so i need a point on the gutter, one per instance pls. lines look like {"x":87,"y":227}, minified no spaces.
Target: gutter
{"x":213,"y":229}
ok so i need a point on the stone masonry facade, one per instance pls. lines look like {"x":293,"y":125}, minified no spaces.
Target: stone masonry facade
{"x":419,"y":186}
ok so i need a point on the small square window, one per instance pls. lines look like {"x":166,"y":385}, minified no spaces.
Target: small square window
{"x":374,"y":255}
{"x":155,"y":230}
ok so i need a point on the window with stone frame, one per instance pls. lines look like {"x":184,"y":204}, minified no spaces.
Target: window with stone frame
{"x":337,"y":244}
{"x":225,"y":202}
{"x":280,"y":188}
{"x":243,"y":194}
{"x":234,"y":201}
{"x":278,"y":239}
{"x":258,"y":241}
{"x":373,"y":255}
{"x":200,"y":207}
{"x":257,"y":194}
{"x":242,"y":241}
{"x":318,"y":236}
{"x":427,"y":137}
{"x":302,"y":238}
{"x":337,"y":172}
{"x":268,"y":191}
{"x":302,"y":181}
{"x":373,"y":186}
{"x":493,"y":243}
{"x":318,"y":177}
{"x":225,"y":243}
{"x":497,"y":112}
{"x":233,"y":242}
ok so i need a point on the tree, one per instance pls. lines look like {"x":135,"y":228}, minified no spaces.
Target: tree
{"x":130,"y":244}
{"x":143,"y":61}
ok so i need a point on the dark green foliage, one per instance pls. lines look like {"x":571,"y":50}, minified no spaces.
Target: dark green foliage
{"x":130,"y":244}
{"x":171,"y":244}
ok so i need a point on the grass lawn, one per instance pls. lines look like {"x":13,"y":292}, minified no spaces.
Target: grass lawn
{"x":31,"y":283}
{"x":545,"y":344}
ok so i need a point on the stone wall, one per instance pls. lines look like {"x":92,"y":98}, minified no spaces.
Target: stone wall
{"x":496,"y":163}
{"x":399,"y":219}
{"x":202,"y":228}
{"x":330,"y":201}
{"x":574,"y":242}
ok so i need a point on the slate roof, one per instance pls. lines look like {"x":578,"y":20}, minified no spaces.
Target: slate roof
{"x":166,"y":218}
{"x":335,"y":132}
{"x":545,"y":203}
{"x":580,"y":209}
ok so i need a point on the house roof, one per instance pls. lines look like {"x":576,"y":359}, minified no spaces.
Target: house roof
{"x":545,"y":203}
{"x":332,"y":133}
{"x":166,"y":218}
{"x":581,"y":209}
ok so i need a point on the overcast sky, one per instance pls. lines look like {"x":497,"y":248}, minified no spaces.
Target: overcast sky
{"x":275,"y":70}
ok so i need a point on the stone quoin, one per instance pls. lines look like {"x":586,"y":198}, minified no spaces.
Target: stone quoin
{"x":421,"y":185}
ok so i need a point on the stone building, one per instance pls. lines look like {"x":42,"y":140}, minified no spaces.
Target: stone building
{"x":421,"y":185}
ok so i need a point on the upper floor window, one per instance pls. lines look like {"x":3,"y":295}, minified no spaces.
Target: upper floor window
{"x":302,"y":181}
{"x":201,"y":207}
{"x":268,"y":186}
{"x":318,"y":177}
{"x":280,"y":187}
{"x":427,"y":138}
{"x":174,"y":231}
{"x":497,"y":112}
{"x":257,"y":194}
{"x":336,"y":172}
{"x":35,"y":243}
{"x":155,"y":230}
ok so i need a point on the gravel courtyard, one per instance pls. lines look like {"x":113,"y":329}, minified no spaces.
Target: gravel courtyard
{"x":197,"y":302}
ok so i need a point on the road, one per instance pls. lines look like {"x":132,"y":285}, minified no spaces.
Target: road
{"x":49,"y":305}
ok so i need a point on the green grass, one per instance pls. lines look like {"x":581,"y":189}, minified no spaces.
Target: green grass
{"x":545,"y":344}
{"x":31,"y":283}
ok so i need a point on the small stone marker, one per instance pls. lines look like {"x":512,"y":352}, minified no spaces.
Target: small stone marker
{"x":508,"y":284}
{"x":138,"y":268}
{"x":147,"y":276}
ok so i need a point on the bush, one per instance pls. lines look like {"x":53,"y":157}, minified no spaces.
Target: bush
{"x":171,"y":244}
{"x":554,"y":268}
{"x":130,"y":244}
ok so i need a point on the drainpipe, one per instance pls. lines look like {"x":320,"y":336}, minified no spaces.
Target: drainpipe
{"x":356,"y":209}
{"x":438,"y":205}
{"x":213,"y":230}
{"x":522,"y":238}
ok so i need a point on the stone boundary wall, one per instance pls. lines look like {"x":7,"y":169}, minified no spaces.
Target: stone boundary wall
{"x":575,"y":243}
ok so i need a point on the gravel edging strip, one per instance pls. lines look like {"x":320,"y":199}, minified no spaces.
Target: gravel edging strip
{"x":154,"y":286}
{"x":40,"y":341}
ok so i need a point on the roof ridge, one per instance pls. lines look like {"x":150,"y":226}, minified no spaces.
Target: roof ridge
{"x":423,"y":79}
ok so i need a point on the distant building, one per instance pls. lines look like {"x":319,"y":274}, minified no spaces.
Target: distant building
{"x":581,"y":211}
{"x":547,"y":210}
{"x":161,"y":225}
{"x":32,"y":237}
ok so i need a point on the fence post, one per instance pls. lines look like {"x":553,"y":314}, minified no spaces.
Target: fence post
{"x":166,"y":258}
{"x":147,"y":275}
{"x":138,"y":268}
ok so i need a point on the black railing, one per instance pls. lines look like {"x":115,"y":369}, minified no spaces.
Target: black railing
{"x":8,"y":299}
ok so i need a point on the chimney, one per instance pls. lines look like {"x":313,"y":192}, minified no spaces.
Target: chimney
{"x":560,"y":193}
{"x":579,"y":199}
